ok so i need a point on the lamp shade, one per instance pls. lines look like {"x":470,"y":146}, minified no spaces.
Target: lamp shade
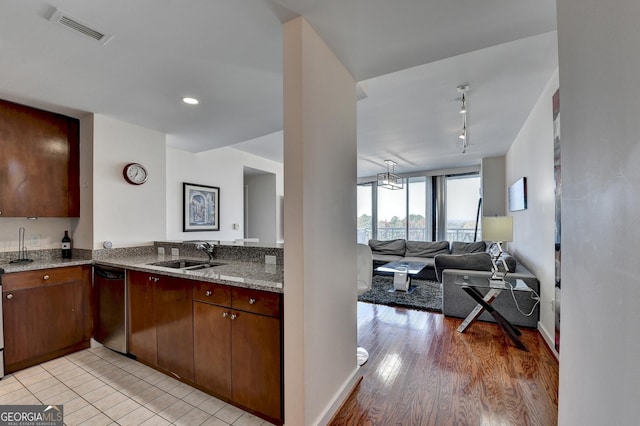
{"x":497,"y":228}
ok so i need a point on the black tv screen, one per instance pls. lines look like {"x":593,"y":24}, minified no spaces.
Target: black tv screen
{"x":518,"y":195}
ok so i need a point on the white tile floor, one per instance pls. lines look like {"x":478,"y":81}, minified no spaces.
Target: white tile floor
{"x":101,"y":387}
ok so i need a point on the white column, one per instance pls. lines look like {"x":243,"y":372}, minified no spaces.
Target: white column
{"x":319,"y":225}
{"x":599,"y":63}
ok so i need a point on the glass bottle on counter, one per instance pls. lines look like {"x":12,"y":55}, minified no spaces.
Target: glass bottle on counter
{"x":66,"y":246}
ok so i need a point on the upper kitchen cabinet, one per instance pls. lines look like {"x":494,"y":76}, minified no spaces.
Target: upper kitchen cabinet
{"x":40,"y":163}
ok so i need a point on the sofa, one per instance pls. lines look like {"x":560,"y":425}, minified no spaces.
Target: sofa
{"x":419,"y":251}
{"x":445,"y":262}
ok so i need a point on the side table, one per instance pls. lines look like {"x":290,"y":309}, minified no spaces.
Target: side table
{"x":470,"y":285}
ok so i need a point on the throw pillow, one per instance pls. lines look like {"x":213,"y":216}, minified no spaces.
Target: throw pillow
{"x":426,"y":248}
{"x":458,"y":247}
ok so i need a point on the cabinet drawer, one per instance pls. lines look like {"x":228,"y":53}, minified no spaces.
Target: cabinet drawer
{"x":20,"y":280}
{"x":212,"y":293}
{"x":259,"y":302}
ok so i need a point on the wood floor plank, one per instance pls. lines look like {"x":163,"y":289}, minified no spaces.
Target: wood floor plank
{"x":421,"y":371}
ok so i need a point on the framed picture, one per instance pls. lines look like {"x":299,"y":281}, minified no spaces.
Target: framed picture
{"x":201,"y":207}
{"x":518,"y":195}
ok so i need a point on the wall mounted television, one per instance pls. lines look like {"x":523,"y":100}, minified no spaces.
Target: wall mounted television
{"x":518,"y":195}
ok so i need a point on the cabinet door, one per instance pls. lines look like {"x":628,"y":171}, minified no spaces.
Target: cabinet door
{"x":257,"y":369}
{"x":143,"y":342}
{"x":42,"y":320}
{"x":212,"y":348}
{"x":174,"y":325}
{"x":39,"y":168}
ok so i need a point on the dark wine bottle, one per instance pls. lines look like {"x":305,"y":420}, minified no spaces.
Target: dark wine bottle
{"x":66,"y":246}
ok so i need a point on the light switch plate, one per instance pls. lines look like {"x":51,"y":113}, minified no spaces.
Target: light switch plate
{"x":161,"y":251}
{"x":270,"y":260}
{"x":175,"y":252}
{"x":35,"y":240}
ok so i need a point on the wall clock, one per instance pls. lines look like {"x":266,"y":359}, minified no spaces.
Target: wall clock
{"x":135,"y":173}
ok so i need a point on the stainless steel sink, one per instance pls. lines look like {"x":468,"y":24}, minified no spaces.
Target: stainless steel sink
{"x":190,"y":265}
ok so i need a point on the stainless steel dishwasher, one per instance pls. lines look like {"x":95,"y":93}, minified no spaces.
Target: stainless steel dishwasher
{"x":111,"y":319}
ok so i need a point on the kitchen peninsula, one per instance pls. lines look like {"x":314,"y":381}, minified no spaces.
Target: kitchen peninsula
{"x":217,"y":328}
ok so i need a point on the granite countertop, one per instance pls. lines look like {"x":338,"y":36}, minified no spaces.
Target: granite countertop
{"x":42,"y":264}
{"x":253,"y":275}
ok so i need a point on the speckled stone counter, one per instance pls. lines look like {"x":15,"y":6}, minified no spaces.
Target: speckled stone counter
{"x":253,"y":275}
{"x":238,"y":273}
{"x":43,"y":259}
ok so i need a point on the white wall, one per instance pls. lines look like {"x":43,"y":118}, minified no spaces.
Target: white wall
{"x":222,"y":168}
{"x":320,"y":228}
{"x":125,"y":214}
{"x":48,"y":230}
{"x":599,"y":63}
{"x":531,"y":155}
{"x":262,"y":207}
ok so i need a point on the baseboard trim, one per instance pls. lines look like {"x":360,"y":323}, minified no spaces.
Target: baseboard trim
{"x":550,"y":341}
{"x":340,"y":397}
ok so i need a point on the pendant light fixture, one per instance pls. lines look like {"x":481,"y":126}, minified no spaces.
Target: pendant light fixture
{"x":389,"y":179}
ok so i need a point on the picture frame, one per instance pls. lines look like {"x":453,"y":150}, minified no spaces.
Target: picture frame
{"x":201,"y":207}
{"x":518,"y":195}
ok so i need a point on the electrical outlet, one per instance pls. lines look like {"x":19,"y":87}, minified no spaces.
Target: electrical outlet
{"x":35,"y":240}
{"x":161,"y":251}
{"x":270,"y":260}
{"x":175,"y":252}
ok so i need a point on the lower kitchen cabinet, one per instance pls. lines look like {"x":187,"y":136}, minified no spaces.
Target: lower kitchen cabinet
{"x":212,"y":348}
{"x":255,"y":365}
{"x":46,"y":314}
{"x":160,"y":322}
{"x":238,"y":353}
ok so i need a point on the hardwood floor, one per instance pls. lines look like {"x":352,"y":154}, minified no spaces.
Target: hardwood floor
{"x":421,"y":371}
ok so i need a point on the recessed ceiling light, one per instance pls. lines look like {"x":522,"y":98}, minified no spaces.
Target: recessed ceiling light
{"x":190,"y":101}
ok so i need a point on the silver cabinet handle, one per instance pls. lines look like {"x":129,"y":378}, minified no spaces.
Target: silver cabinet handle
{"x":46,"y":277}
{"x":9,"y":296}
{"x":225,"y":314}
{"x":234,"y":316}
{"x":154,"y":279}
{"x":252,"y":301}
{"x":208,"y":293}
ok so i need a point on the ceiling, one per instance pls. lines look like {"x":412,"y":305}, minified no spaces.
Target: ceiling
{"x":409,"y":55}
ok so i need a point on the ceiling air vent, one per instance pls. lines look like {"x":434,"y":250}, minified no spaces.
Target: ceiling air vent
{"x":70,"y":22}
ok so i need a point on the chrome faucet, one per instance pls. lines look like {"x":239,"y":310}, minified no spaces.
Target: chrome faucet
{"x":207,"y":248}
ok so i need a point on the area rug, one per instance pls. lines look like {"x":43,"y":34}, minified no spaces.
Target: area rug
{"x":427,"y":295}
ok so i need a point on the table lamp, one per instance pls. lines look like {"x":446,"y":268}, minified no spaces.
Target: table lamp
{"x":497,"y":229}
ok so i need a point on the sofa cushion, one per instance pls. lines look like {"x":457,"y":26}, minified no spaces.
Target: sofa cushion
{"x":470,"y":261}
{"x":458,"y":247}
{"x":396,"y":247}
{"x":426,"y":248}
{"x":428,"y":261}
{"x":385,"y":258}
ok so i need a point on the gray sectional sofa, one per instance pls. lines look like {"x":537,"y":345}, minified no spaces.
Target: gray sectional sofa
{"x":419,"y":251}
{"x":446,"y":261}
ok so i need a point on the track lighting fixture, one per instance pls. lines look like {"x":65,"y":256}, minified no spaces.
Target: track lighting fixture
{"x":464,"y":134}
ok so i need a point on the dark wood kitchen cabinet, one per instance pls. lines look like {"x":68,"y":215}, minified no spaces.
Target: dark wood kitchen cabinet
{"x":160,"y":326}
{"x":46,"y":313}
{"x":40,"y":163}
{"x":238,"y":347}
